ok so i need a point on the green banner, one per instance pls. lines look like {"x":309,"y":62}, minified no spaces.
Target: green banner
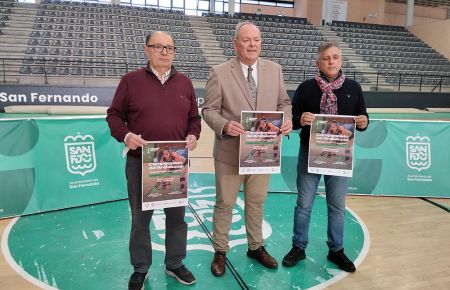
{"x":403,"y":158}
{"x":392,"y":157}
{"x":54,"y":163}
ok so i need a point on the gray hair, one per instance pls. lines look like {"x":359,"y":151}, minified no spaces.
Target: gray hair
{"x":240,"y":25}
{"x":152,"y":32}
{"x":327,"y":45}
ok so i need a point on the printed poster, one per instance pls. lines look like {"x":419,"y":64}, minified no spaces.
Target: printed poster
{"x":164,"y":175}
{"x":331,"y":145}
{"x":260,"y":146}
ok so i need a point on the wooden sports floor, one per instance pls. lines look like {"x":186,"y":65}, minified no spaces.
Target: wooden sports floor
{"x":409,"y":239}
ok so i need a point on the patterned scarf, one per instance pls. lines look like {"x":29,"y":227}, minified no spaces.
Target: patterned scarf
{"x":328,"y":103}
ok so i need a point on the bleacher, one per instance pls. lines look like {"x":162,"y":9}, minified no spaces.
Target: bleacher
{"x":89,"y":39}
{"x":393,"y":51}
{"x":290,"y":41}
{"x":95,"y":40}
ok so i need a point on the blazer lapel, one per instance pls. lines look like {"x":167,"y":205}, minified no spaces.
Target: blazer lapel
{"x":236,"y":70}
{"x":263,"y":79}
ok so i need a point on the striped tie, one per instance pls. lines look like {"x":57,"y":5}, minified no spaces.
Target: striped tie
{"x":251,"y":86}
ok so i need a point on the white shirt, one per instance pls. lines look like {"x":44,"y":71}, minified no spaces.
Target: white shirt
{"x":254,"y":71}
{"x":162,"y":78}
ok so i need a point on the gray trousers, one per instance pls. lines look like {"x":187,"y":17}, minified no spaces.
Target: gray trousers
{"x":140,"y":240}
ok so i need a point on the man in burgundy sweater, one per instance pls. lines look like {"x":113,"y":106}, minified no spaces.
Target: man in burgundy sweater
{"x":155,"y":103}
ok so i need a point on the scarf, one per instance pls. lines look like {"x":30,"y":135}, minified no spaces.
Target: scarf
{"x":328,"y":103}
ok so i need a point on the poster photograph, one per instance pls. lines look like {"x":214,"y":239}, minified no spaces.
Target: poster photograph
{"x":164,"y":175}
{"x":331,"y":145}
{"x":260,"y":145}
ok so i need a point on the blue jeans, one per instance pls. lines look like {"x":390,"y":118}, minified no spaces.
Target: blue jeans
{"x":335,"y":188}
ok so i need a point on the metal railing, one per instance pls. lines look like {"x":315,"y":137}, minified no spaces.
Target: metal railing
{"x":53,"y":71}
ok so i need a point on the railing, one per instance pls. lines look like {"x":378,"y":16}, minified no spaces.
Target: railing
{"x":53,"y":71}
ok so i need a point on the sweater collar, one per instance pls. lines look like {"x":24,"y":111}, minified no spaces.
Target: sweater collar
{"x":173,"y":71}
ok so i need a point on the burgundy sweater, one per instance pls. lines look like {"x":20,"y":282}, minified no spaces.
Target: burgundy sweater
{"x":158,"y":112}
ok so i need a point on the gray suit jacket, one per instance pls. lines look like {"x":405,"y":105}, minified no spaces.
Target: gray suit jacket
{"x":227,"y":95}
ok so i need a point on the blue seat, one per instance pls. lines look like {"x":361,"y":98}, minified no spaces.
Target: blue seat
{"x":50,"y":70}
{"x":99,"y":53}
{"x":78,"y":52}
{"x":67,"y":43}
{"x":52,"y":60}
{"x":54,"y":51}
{"x":63,"y":71}
{"x":25,"y":70}
{"x":66,"y":52}
{"x":100,"y":72}
{"x":33,"y":42}
{"x":75,"y":71}
{"x":110,"y":54}
{"x":42,"y":51}
{"x":37,"y":69}
{"x":44,"y":42}
{"x":88,"y":53}
{"x":88,"y":72}
{"x":56,"y":42}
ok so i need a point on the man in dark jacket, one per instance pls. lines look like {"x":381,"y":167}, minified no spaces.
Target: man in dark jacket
{"x":333,"y":94}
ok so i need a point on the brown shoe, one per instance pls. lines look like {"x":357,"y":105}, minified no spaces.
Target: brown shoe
{"x":218,"y":263}
{"x":263,"y":257}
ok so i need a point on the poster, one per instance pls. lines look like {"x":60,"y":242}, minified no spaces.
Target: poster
{"x":260,"y":146}
{"x":331,"y":145}
{"x":164,"y":175}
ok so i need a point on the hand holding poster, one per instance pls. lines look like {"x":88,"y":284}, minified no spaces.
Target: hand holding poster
{"x":164,"y":175}
{"x":260,"y":146}
{"x":331,"y":145}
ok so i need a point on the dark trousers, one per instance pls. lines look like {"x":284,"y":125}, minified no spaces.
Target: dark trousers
{"x":140,"y":240}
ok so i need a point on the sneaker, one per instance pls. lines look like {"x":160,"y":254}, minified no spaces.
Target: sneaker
{"x":341,"y":260}
{"x":136,"y":281}
{"x":294,"y":256}
{"x":182,"y":274}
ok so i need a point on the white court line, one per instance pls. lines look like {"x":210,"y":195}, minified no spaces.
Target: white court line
{"x":12,"y":263}
{"x":362,"y":255}
{"x":10,"y":260}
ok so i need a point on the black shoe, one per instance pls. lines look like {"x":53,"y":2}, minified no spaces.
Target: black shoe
{"x":294,"y":256}
{"x":182,"y":274}
{"x":136,"y":281}
{"x":341,"y":260}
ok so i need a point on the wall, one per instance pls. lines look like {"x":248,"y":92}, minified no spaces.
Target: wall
{"x":435,"y":34}
{"x":395,"y":14}
{"x":269,"y":10}
{"x":314,"y":13}
{"x":366,"y":11}
{"x":301,"y":8}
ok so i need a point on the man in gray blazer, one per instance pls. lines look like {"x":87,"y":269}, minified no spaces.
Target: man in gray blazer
{"x":245,"y":83}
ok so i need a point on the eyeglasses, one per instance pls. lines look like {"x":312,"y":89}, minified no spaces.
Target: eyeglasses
{"x":159,"y":48}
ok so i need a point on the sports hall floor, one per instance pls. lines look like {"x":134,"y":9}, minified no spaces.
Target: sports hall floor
{"x":398,"y":243}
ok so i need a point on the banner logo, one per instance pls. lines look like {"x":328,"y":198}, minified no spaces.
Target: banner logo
{"x":80,"y":154}
{"x":197,"y":239}
{"x":418,"y":152}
